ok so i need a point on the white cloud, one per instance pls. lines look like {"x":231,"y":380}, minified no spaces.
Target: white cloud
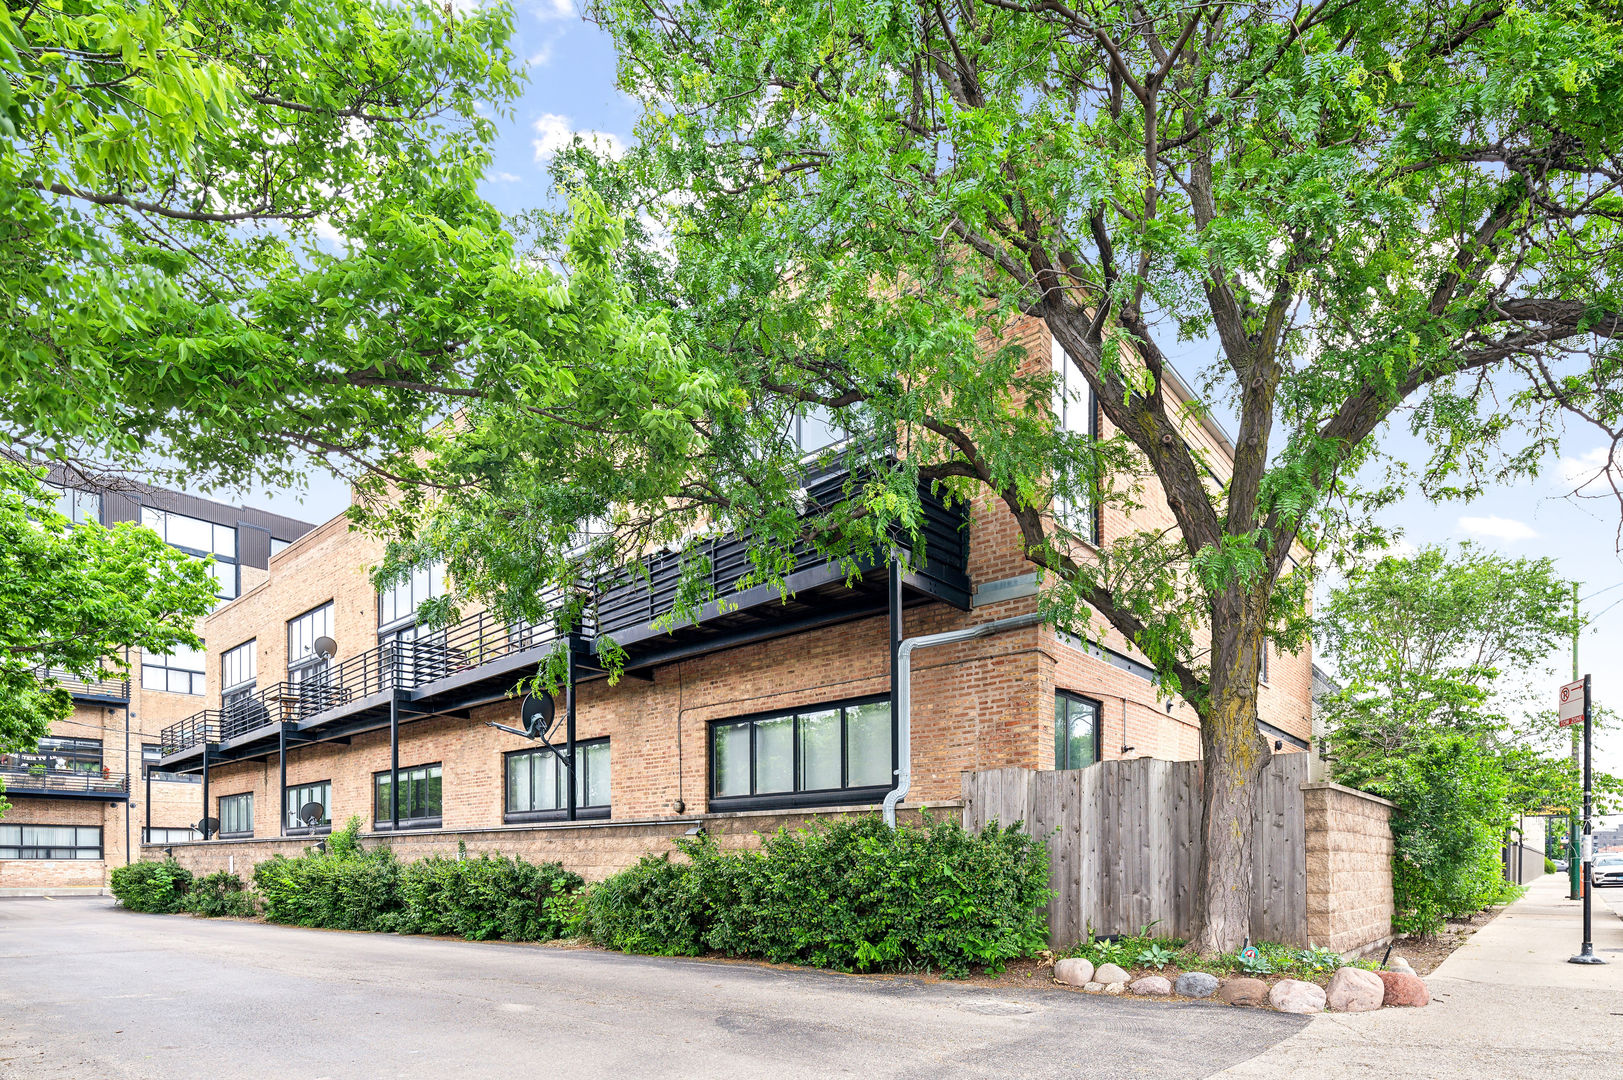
{"x":1589,"y":469}
{"x":541,"y":57}
{"x":1494,"y":527}
{"x":554,"y":133}
{"x":506,"y":177}
{"x":551,"y":9}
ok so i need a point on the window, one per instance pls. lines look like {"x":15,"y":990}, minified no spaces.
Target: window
{"x":822,"y":755}
{"x":277,"y":546}
{"x":1075,"y":411}
{"x":177,"y":672}
{"x":169,"y":836}
{"x":303,"y":662}
{"x":237,"y":814}
{"x":50,"y":842}
{"x":79,"y":507}
{"x":198,"y":537}
{"x":151,"y":755}
{"x":239,"y":667}
{"x":400,"y":601}
{"x":58,"y":754}
{"x":300,"y":797}
{"x":1263,"y":675}
{"x":1076,"y":731}
{"x":814,"y":429}
{"x":536,"y":782}
{"x":420,"y":798}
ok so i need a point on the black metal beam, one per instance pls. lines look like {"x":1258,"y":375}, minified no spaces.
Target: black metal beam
{"x":569,"y":724}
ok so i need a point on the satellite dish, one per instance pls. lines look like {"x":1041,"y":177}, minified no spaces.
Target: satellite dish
{"x":208,"y":827}
{"x":536,"y":713}
{"x":311,"y":813}
{"x":325,"y":647}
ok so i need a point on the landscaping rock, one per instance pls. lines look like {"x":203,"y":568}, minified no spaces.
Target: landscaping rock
{"x":1404,"y":989}
{"x":1196,"y":984}
{"x":1109,"y":973}
{"x":1116,"y":988}
{"x":1295,"y":996}
{"x":1151,"y":986}
{"x":1243,"y":992}
{"x":1074,"y":971}
{"x":1355,"y":990}
{"x":1095,"y":988}
{"x":1398,"y":963}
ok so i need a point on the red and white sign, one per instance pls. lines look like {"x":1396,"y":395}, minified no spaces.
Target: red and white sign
{"x":1572,"y":703}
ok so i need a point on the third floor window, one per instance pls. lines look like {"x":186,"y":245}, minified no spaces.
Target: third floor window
{"x":303,"y":662}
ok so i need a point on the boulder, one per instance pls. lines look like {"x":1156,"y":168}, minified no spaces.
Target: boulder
{"x":1404,"y":989}
{"x":1074,"y":971}
{"x":1196,"y":984}
{"x":1151,"y":986}
{"x":1355,"y":990}
{"x":1296,"y":996}
{"x":1095,"y":988}
{"x":1116,"y":988}
{"x":1109,"y":973}
{"x":1398,"y":963}
{"x":1243,"y":992}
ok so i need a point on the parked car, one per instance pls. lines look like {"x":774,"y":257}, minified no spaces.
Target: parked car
{"x":1608,"y":870}
{"x":1560,"y":866}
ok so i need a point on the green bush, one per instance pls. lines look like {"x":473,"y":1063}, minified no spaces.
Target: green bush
{"x":157,"y":887}
{"x":218,"y":894}
{"x":1549,"y":865}
{"x":854,"y":895}
{"x":350,"y":888}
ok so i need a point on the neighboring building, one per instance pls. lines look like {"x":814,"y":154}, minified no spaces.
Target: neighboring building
{"x":93,"y":791}
{"x":743,"y":718}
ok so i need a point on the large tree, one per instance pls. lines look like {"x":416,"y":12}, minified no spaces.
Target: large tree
{"x":1331,"y":213}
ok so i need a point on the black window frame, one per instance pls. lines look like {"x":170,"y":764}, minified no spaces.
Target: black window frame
{"x":583,"y":811}
{"x":77,"y":755}
{"x":197,"y":677}
{"x":382,"y":822}
{"x":306,"y":668}
{"x":290,"y":807}
{"x":234,"y":834}
{"x":232,"y":560}
{"x":20,"y":847}
{"x":840,"y":796}
{"x":1098,"y":729}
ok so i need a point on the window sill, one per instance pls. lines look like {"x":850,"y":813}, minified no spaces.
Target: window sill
{"x":409,"y":825}
{"x":582,"y":813}
{"x":249,"y":835}
{"x":319,"y":830}
{"x":801,"y":800}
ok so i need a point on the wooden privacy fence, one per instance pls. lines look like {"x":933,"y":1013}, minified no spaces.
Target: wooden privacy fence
{"x":1124,"y":844}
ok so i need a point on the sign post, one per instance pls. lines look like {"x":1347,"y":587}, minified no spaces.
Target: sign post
{"x":1574,"y":706}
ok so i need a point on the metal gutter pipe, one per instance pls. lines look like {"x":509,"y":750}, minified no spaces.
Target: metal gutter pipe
{"x":904,"y":693}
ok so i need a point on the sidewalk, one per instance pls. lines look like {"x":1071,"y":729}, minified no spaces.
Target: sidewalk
{"x":1506,"y":1005}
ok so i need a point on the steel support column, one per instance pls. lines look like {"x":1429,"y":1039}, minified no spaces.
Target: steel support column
{"x":204,"y":824}
{"x":281,"y":778}
{"x":394,"y":759}
{"x":894,"y":594}
{"x":569,"y":726}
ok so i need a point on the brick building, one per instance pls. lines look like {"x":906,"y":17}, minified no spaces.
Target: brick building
{"x":92,"y":792}
{"x":761,"y":710}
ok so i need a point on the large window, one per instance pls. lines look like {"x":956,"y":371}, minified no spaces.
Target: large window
{"x":58,"y":754}
{"x":79,"y":507}
{"x":400,"y":601}
{"x":50,"y":842}
{"x":177,"y":672}
{"x":198,"y":537}
{"x":822,"y":755}
{"x":1075,"y":411}
{"x":151,"y":756}
{"x":813,"y":429}
{"x":537,"y":784}
{"x":421,"y":798}
{"x":239,"y":667}
{"x":1076,"y":731}
{"x":301,"y":796}
{"x":237,"y":814}
{"x":156,"y":835}
{"x":303,"y":662}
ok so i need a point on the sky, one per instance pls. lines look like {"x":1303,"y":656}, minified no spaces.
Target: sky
{"x":571,"y":67}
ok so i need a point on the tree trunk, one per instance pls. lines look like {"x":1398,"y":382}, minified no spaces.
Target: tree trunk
{"x":1234,"y":754}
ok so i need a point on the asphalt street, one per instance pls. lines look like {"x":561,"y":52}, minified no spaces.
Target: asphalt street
{"x":88,"y":990}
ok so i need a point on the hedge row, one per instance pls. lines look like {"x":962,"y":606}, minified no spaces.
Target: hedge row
{"x":853,"y":896}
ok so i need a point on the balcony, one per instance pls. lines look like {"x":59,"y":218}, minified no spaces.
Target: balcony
{"x":479,"y":660}
{"x":106,"y":691}
{"x":45,"y":782}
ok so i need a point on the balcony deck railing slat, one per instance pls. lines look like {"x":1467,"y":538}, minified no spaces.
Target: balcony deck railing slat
{"x":27,"y":780}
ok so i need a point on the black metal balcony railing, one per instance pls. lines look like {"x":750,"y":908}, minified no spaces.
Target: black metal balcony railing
{"x":21,"y":780}
{"x":110,"y":688}
{"x":403,"y":665}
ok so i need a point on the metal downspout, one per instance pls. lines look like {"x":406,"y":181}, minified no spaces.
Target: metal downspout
{"x":904,"y":693}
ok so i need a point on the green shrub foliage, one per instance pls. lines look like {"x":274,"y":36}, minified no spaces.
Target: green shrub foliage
{"x":157,"y":887}
{"x":853,"y":896}
{"x":351,"y":888}
{"x":219,"y":894}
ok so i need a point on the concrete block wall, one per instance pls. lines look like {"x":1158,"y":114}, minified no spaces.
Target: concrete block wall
{"x":1349,"y":867}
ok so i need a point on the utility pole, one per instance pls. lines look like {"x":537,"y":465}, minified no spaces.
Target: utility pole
{"x":1572,"y":811}
{"x":1586,"y":954}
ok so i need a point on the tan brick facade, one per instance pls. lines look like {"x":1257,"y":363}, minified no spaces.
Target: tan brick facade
{"x":1349,"y":867}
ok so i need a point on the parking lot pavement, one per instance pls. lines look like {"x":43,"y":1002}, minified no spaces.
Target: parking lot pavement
{"x":88,"y":990}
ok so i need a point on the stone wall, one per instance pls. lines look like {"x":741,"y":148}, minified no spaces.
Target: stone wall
{"x":593,"y":849}
{"x":1349,"y":867}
